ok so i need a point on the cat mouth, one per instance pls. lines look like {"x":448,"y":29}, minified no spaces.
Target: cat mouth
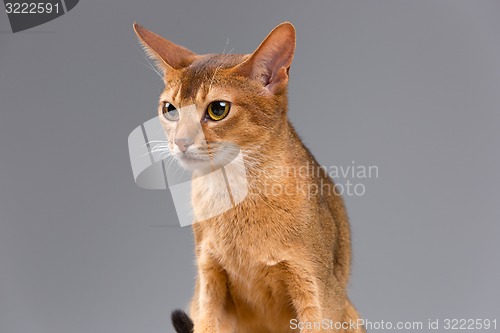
{"x":201,"y":158}
{"x":195,"y":160}
{"x":194,"y":157}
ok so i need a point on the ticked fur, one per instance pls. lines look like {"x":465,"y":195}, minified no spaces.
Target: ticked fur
{"x":284,"y":252}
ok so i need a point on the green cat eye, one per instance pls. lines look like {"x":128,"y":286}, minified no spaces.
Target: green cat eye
{"x":218,"y":110}
{"x":170,"y":112}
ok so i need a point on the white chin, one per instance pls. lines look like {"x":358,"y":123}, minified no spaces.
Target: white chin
{"x":198,"y":161}
{"x":190,"y":163}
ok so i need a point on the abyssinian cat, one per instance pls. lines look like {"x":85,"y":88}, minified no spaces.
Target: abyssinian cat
{"x":279,"y":260}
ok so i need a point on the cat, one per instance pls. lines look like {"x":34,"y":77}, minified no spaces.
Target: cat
{"x":278,"y":261}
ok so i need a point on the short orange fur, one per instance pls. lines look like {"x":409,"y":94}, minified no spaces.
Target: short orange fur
{"x":275,"y":256}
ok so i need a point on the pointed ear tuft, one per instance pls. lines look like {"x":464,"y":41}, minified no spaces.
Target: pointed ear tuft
{"x":168,"y":55}
{"x":270,"y":62}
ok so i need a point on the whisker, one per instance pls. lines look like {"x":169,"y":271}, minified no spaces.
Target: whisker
{"x":219,"y":67}
{"x":156,"y":147}
{"x":150,"y":65}
{"x":154,"y":141}
{"x":222,"y":62}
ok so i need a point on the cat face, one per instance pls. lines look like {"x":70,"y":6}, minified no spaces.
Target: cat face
{"x":214,"y":106}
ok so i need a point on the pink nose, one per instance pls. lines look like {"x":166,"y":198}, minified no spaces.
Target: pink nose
{"x":183,"y":143}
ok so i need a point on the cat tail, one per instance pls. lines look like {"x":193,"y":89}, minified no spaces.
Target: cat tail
{"x":181,"y":321}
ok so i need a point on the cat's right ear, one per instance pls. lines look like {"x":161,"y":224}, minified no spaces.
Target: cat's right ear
{"x":270,"y":63}
{"x":167,"y":55}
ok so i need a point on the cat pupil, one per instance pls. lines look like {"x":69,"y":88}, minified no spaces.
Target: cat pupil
{"x":218,"y":108}
{"x":170,"y":111}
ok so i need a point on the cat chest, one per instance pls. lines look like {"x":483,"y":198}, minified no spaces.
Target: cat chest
{"x":241,"y":249}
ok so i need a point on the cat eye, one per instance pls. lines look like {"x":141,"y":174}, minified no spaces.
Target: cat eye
{"x":218,"y":110}
{"x":170,"y":112}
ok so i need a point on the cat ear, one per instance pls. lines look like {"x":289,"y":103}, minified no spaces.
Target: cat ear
{"x":168,"y":55}
{"x":270,"y":62}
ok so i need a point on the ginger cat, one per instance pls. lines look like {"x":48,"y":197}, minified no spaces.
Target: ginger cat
{"x":278,"y":261}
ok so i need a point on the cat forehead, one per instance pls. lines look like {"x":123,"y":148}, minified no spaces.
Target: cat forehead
{"x":213,"y":61}
{"x":204,"y":73}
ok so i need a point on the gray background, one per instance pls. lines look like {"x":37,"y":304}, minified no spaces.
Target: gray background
{"x":412,"y":87}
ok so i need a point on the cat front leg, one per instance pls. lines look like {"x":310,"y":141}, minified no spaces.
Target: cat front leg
{"x":304,"y":291}
{"x":211,"y":296}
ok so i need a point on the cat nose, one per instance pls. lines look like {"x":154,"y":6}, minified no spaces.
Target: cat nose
{"x":183,"y":143}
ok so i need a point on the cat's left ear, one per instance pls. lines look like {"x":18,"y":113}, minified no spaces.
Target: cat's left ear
{"x":168,"y":55}
{"x":270,"y":62}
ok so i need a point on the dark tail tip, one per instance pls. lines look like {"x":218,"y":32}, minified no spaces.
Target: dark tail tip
{"x":181,"y":321}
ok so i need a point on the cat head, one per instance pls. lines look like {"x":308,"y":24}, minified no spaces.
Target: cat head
{"x":214,"y":105}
